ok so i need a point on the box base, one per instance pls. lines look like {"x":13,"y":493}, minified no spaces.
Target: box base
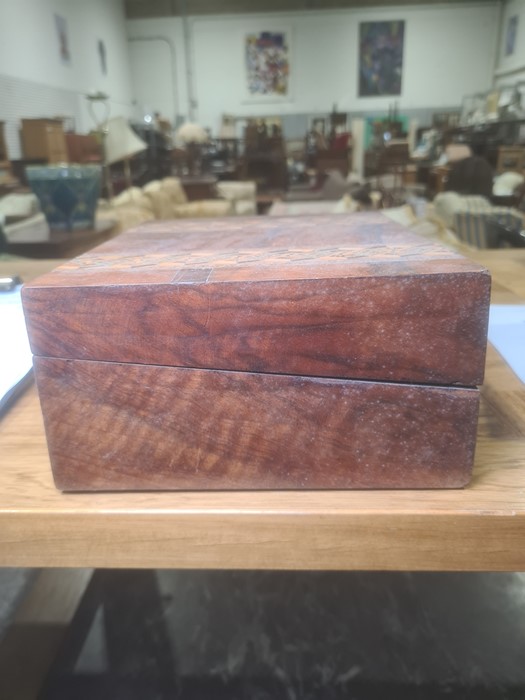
{"x":113,"y":426}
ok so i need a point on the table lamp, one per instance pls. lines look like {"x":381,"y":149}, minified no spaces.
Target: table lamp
{"x":227,"y":130}
{"x":99,"y":109}
{"x":192,"y":136}
{"x":121,"y":144}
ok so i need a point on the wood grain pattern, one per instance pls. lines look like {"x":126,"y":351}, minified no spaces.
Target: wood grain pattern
{"x":354,"y":297}
{"x":479,"y":528}
{"x":113,"y":426}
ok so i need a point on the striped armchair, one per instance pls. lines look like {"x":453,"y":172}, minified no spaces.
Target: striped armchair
{"x":471,"y":218}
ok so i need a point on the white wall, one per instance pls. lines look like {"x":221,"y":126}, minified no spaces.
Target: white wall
{"x":33,"y":78}
{"x":510,"y":69}
{"x":158,"y":68}
{"x":449,"y":52}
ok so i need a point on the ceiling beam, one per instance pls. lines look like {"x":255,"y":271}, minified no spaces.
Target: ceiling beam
{"x":136,"y":9}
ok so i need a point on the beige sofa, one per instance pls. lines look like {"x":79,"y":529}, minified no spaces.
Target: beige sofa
{"x":166,"y":199}
{"x":242,"y":195}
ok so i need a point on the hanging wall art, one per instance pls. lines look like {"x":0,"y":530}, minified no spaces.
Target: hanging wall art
{"x":510,"y":38}
{"x":267,"y":58}
{"x":102,"y":55}
{"x":63,"y":39}
{"x":381,"y":58}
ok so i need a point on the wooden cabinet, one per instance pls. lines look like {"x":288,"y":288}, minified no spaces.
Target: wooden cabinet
{"x":5,"y":165}
{"x":264,"y":158}
{"x":487,"y":139}
{"x":267,"y":168}
{"x":200,"y":187}
{"x":3,"y":146}
{"x":437,"y":180}
{"x":83,"y":148}
{"x":44,"y":138}
{"x":333,"y":159}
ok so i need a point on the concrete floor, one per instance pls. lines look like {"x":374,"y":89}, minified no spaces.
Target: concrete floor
{"x":13,"y":583}
{"x":296,"y":636}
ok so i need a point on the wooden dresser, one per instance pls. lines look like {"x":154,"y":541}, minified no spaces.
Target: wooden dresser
{"x":44,"y":138}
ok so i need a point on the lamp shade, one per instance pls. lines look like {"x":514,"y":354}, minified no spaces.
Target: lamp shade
{"x":121,"y":141}
{"x":227,"y":130}
{"x":191,"y":133}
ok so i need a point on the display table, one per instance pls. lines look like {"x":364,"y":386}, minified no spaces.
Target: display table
{"x":479,"y":528}
{"x":65,"y":244}
{"x":199,"y":187}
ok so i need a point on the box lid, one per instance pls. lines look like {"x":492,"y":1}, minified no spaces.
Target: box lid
{"x":332,"y":296}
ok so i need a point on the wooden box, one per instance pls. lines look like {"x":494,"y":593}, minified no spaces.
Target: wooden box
{"x":261,"y":353}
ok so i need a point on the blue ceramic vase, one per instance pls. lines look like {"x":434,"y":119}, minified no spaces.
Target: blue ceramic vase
{"x":68,"y":194}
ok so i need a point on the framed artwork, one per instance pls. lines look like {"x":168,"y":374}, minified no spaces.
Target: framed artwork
{"x":510,"y":38}
{"x":267,"y":60}
{"x":101,"y":47}
{"x":381,"y":58}
{"x":63,"y":39}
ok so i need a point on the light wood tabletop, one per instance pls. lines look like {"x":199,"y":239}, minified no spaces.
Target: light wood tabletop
{"x":479,"y":528}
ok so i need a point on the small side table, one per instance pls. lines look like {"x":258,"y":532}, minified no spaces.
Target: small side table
{"x":200,"y":187}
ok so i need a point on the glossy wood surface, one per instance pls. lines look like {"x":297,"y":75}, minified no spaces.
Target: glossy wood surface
{"x":65,"y":244}
{"x":356,"y":297}
{"x":479,"y":528}
{"x":113,"y":426}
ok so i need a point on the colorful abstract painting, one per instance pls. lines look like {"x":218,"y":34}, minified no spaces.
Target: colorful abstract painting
{"x":380,"y":58}
{"x":268,"y":64}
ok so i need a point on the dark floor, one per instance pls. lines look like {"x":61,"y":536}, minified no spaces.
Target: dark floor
{"x":296,"y":636}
